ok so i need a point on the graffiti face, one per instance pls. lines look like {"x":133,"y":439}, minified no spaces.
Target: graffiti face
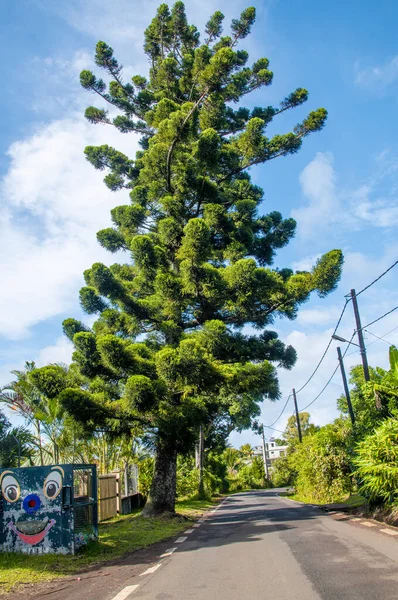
{"x":31,"y":503}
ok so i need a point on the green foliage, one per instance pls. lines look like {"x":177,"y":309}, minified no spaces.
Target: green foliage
{"x":283,"y":474}
{"x":187,"y":477}
{"x":50,"y":380}
{"x":15,"y":443}
{"x":145,"y":475}
{"x":249,"y":476}
{"x":368,"y":415}
{"x":290,"y":434}
{"x":322,"y":464}
{"x":376,"y":463}
{"x":199,"y":252}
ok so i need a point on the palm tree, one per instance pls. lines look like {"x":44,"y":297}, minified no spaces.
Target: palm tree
{"x":16,"y":444}
{"x":42,"y":413}
{"x":233,"y":460}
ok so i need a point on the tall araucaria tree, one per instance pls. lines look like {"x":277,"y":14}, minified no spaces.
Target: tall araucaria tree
{"x":167,"y":349}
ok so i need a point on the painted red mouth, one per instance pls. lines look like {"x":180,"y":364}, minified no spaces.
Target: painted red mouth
{"x":35,"y":538}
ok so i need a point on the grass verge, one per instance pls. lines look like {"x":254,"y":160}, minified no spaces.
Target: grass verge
{"x":116,"y":537}
{"x":350,"y":501}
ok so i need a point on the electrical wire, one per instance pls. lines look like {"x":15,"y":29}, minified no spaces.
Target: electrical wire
{"x":321,"y":392}
{"x":374,"y":341}
{"x":379,"y":338}
{"x":380,"y":318}
{"x":283,"y":410}
{"x":377,"y":278}
{"x":273,"y":429}
{"x":326,"y":350}
{"x":327,"y":383}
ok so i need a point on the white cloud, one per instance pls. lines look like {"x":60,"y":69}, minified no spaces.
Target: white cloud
{"x":60,"y":352}
{"x":124,"y":21}
{"x":54,"y":202}
{"x":318,"y":183}
{"x":318,"y":316}
{"x":306,"y":263}
{"x":378,"y":77}
{"x":55,"y":88}
{"x":328,"y":207}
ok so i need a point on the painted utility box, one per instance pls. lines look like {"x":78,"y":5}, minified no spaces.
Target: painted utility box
{"x":50,"y":509}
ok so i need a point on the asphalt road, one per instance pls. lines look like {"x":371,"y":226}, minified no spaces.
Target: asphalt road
{"x":260,"y":546}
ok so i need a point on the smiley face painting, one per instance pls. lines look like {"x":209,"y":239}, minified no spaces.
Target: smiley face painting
{"x":32,"y":517}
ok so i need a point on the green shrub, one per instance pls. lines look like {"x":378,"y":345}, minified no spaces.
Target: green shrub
{"x":187,"y":477}
{"x":282,"y":474}
{"x":377,"y":463}
{"x":145,"y":475}
{"x":323,"y":465}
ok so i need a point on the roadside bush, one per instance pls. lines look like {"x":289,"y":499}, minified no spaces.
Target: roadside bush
{"x":249,"y":476}
{"x":187,"y":477}
{"x":322,"y":464}
{"x":282,"y":474}
{"x":145,"y":475}
{"x":377,"y":463}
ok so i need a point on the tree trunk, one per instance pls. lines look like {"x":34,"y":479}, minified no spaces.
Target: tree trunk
{"x":40,"y":443}
{"x":201,"y":453}
{"x":162,"y":495}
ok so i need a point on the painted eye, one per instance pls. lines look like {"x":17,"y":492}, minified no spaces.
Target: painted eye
{"x":53,"y":485}
{"x":10,"y":488}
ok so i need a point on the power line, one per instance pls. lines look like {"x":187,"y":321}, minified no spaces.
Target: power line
{"x":377,"y":278}
{"x":283,"y":410}
{"x":273,"y":429}
{"x":379,"y":338}
{"x":326,"y":350}
{"x":328,"y":382}
{"x":322,"y":390}
{"x":374,"y":341}
{"x":380,"y":318}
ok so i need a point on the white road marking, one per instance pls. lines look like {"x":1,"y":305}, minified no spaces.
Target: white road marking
{"x":201,"y":521}
{"x":188,"y":531}
{"x":125,"y":592}
{"x":389,"y":531}
{"x":366,"y":524}
{"x":168,"y":552}
{"x":151,"y":570}
{"x":181,"y":539}
{"x":196,"y":525}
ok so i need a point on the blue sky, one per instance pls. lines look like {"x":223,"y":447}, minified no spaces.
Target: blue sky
{"x":342,"y":187}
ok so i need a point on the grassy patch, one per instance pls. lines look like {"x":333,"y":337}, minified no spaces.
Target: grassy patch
{"x":117,"y":537}
{"x":355,"y":500}
{"x":352,"y":501}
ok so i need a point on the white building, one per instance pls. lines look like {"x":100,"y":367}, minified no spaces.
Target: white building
{"x":273,"y":451}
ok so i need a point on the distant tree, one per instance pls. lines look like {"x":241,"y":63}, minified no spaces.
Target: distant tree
{"x":291,"y":431}
{"x":167,"y":350}
{"x":246,"y":451}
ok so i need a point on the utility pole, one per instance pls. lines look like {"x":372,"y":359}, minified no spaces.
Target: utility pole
{"x":346,"y":390}
{"x":200,"y":457}
{"x":265,"y":454}
{"x":297,"y":416}
{"x":360,"y":336}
